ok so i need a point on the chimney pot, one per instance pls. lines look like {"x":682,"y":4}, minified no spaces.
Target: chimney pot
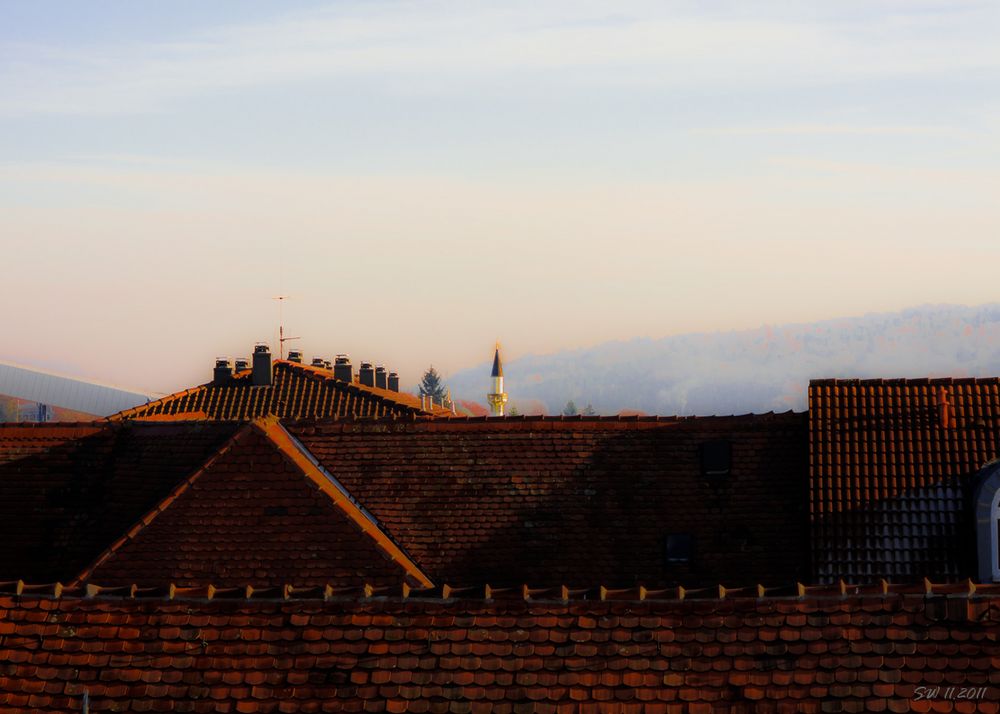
{"x":223,"y":373}
{"x":366,"y":374}
{"x":319,"y":362}
{"x":342,"y":369}
{"x":393,"y":382}
{"x":380,"y":380}
{"x":295,"y":356}
{"x":261,"y":365}
{"x":944,"y":409}
{"x":242,"y":364}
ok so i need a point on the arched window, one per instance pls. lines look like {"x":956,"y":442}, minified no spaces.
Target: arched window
{"x":986,"y":511}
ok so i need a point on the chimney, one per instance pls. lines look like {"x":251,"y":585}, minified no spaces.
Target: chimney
{"x":380,"y":377}
{"x":223,"y":373}
{"x":319,"y":362}
{"x":342,"y":369}
{"x":295,"y":356}
{"x":393,"y":382}
{"x":261,"y":365}
{"x":366,"y":374}
{"x":327,"y":364}
{"x":944,"y":409}
{"x":242,"y":364}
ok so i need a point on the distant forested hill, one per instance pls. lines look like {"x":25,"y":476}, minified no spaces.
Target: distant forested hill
{"x":751,"y":370}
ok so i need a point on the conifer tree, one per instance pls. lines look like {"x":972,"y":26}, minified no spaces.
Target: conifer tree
{"x":570,"y":409}
{"x":432,"y":385}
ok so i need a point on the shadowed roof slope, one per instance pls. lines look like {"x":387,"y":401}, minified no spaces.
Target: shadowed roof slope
{"x":555,"y":500}
{"x":61,"y":507}
{"x":889,"y":458}
{"x":298,"y":391}
{"x":261,"y":512}
{"x":24,"y":439}
{"x":786,"y":654}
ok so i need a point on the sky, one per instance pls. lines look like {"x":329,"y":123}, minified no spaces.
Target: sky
{"x":424,"y":178}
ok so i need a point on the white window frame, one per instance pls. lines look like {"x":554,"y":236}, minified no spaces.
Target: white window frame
{"x":986,"y":514}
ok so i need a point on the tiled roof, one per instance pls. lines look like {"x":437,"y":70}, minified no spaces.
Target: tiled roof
{"x":298,"y":391}
{"x":260,"y":511}
{"x":59,"y":508}
{"x":857,"y":653}
{"x":578,"y":499}
{"x":20,"y":440}
{"x":888,"y":463}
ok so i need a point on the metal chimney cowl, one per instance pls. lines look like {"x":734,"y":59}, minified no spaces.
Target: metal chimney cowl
{"x":223,"y":372}
{"x":342,"y":369}
{"x":261,"y":365}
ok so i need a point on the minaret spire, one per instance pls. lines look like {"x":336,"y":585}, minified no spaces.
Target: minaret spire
{"x":497,"y":398}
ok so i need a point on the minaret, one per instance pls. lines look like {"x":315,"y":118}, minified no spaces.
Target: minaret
{"x":497,"y":398}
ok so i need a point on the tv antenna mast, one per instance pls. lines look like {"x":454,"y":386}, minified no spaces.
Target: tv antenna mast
{"x":281,"y":326}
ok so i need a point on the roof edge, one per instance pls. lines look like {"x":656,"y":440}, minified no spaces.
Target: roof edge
{"x":297,"y":453}
{"x":838,"y":591}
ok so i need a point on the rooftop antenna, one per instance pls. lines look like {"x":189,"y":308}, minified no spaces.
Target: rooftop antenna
{"x":281,"y":326}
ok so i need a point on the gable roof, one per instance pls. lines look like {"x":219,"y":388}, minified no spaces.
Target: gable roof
{"x":859,"y":652}
{"x":889,"y":458}
{"x":555,"y":500}
{"x":260,"y":511}
{"x":297,"y":391}
{"x":24,"y":439}
{"x":60,"y":507}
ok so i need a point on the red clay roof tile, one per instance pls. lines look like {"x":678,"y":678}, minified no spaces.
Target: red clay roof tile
{"x":298,"y":391}
{"x":259,"y":511}
{"x":24,"y":439}
{"x":553,"y":500}
{"x":62,"y":506}
{"x":218,"y":669}
{"x":887,"y":463}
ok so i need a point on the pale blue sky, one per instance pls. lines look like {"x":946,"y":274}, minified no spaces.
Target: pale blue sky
{"x":424,"y":177}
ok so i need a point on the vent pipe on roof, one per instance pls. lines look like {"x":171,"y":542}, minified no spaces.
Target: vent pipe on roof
{"x":261,"y":365}
{"x":242,"y":364}
{"x":393,"y":382}
{"x":366,"y":374}
{"x":944,"y":409}
{"x":223,"y":373}
{"x":380,"y":377}
{"x":295,"y":356}
{"x":342,"y":369}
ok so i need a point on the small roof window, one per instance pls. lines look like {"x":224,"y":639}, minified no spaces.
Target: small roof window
{"x":716,"y":459}
{"x":678,"y":548}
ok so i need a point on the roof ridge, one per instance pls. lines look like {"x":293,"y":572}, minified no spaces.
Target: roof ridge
{"x":321,"y":373}
{"x":900,"y":381}
{"x":161,"y":506}
{"x":296,"y":452}
{"x":839,"y":590}
{"x":521,"y":421}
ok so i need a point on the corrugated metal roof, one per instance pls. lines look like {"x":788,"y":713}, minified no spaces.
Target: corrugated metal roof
{"x":76,"y":394}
